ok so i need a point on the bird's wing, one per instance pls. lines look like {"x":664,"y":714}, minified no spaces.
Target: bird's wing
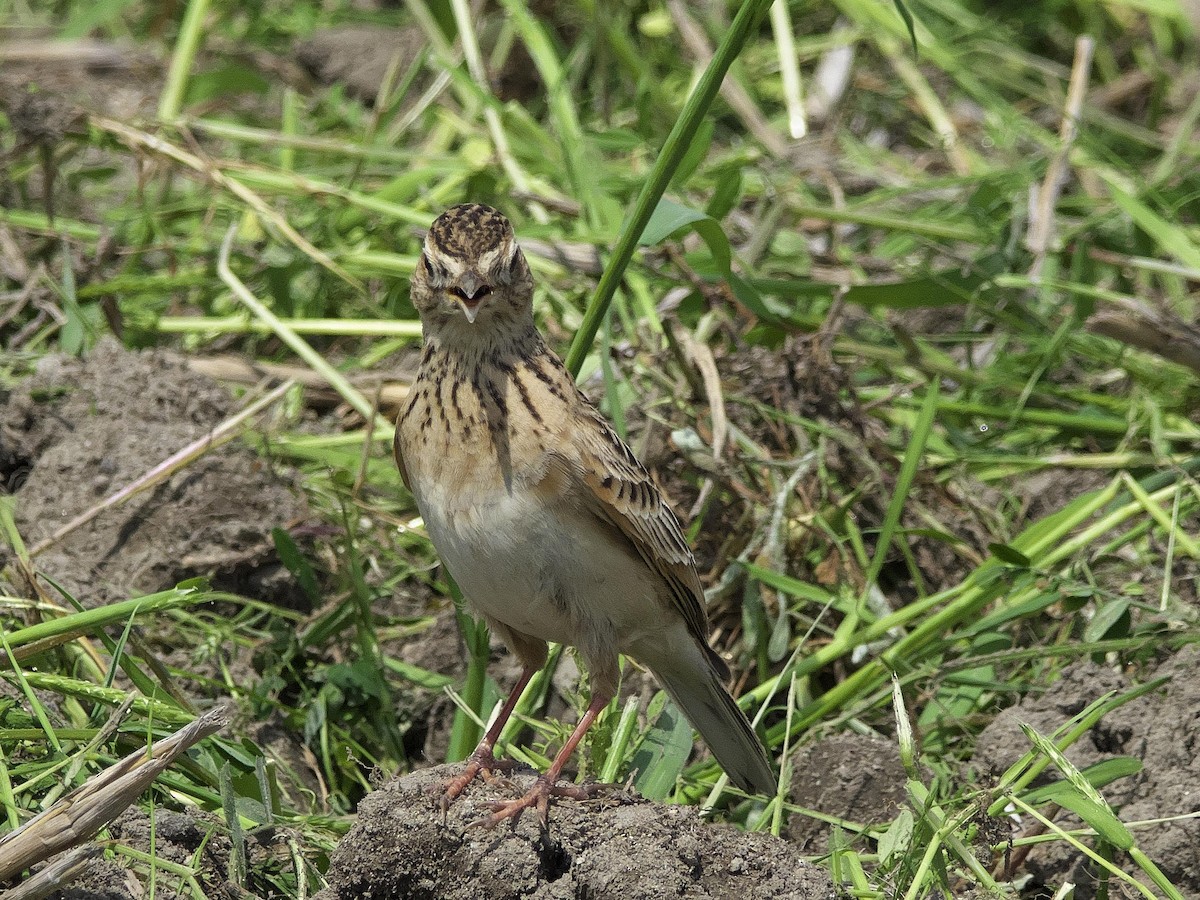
{"x":400,"y":456}
{"x":623,"y":493}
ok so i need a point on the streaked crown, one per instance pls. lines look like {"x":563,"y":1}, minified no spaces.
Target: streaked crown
{"x":470,"y":255}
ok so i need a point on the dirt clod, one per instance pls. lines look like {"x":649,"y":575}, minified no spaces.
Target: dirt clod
{"x":359,"y":56}
{"x":854,"y":777}
{"x":400,"y":848}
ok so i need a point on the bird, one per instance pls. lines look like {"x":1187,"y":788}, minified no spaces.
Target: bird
{"x":548,"y":522}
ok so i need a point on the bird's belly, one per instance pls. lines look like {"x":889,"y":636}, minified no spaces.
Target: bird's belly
{"x":548,"y":571}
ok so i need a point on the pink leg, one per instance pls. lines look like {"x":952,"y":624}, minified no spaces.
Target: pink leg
{"x":483,"y":759}
{"x":547,"y":785}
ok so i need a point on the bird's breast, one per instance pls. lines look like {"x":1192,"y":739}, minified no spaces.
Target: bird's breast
{"x":490,"y":466}
{"x":542,"y":568}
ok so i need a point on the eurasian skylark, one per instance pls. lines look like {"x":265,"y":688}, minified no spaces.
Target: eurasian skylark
{"x":549,"y":523}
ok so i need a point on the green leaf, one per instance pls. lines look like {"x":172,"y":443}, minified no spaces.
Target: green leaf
{"x":908,"y":471}
{"x":781,"y":637}
{"x":670,"y":217}
{"x":1098,"y":775}
{"x":769,"y":310}
{"x":908,"y":21}
{"x":1015,"y":611}
{"x":1107,"y":618}
{"x":794,"y":587}
{"x":1097,"y":816}
{"x":695,"y":154}
{"x":73,"y":336}
{"x":1081,"y":797}
{"x":226,"y":81}
{"x":1010,"y":555}
{"x":895,"y":842}
{"x":87,"y":18}
{"x":358,"y":677}
{"x":1170,"y":236}
{"x":949,"y":288}
{"x":663,"y":752}
{"x":190,"y":593}
{"x":419,"y":676}
{"x":726,"y":193}
{"x":293,"y":560}
{"x":619,"y":742}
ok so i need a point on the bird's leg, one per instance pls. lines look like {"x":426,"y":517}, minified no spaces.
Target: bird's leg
{"x":547,"y":785}
{"x":483,"y":760}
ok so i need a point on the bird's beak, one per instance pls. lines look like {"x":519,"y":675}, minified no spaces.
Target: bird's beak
{"x":470,"y":294}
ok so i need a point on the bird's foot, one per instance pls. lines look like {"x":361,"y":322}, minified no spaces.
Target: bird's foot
{"x":544,"y":788}
{"x":481,"y":762}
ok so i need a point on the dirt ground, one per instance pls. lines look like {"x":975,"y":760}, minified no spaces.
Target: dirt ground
{"x":857,"y":777}
{"x":633,"y":850}
{"x":78,"y":431}
{"x":1161,"y":728}
{"x":173,"y":836}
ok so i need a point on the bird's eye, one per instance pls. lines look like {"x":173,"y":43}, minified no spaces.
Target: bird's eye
{"x":436,"y":272}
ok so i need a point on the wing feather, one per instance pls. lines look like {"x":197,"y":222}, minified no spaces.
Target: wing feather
{"x":623,"y":493}
{"x":399,"y":454}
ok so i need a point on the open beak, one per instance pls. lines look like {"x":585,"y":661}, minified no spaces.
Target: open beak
{"x":470,"y":309}
{"x":469,"y":293}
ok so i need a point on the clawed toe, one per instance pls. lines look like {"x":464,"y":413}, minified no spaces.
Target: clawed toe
{"x":545,"y":787}
{"x":539,"y":796}
{"x":480,"y":763}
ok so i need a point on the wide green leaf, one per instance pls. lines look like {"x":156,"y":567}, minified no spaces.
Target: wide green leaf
{"x":669,"y":218}
{"x":663,"y":751}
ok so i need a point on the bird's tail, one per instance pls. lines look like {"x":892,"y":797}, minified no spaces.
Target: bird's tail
{"x":696,"y":687}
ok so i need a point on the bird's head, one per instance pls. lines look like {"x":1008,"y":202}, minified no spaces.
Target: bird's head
{"x":471,"y":270}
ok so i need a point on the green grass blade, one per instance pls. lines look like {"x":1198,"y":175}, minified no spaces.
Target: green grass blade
{"x":674,"y":149}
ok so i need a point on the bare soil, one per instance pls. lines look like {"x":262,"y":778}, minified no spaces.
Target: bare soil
{"x":360,"y":56}
{"x":602,"y":849}
{"x":853,"y":777}
{"x":80,"y":430}
{"x":173,"y":836}
{"x":1161,"y":729}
